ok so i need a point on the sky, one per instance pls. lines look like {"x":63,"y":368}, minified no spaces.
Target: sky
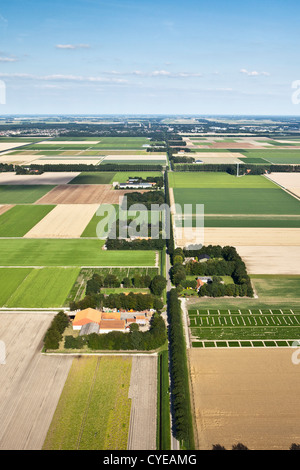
{"x":149,"y":57}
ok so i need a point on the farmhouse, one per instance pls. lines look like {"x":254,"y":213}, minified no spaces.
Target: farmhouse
{"x":201,"y":281}
{"x":106,"y":326}
{"x":136,"y":185}
{"x":84,"y":317}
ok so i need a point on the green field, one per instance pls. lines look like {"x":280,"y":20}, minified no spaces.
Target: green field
{"x":91,"y":229}
{"x":246,"y":221}
{"x":275,"y":291}
{"x":123,"y":176}
{"x":114,"y":143}
{"x":240,"y":201}
{"x":59,"y":252}
{"x":18,"y":220}
{"x":39,"y":288}
{"x":144,"y":161}
{"x":239,"y":325}
{"x":276,"y":156}
{"x":93,"y":177}
{"x":10,"y":280}
{"x":108,"y":177}
{"x":213,"y":180}
{"x":117,"y":143}
{"x":23,"y":194}
{"x":93,"y":411}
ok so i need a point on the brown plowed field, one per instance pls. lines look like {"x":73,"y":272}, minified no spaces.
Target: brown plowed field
{"x":30,"y":383}
{"x":232,"y":145}
{"x":245,"y":395}
{"x":83,"y":194}
{"x":143,"y":393}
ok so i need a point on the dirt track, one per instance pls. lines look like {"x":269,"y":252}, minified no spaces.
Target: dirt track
{"x":30,"y":383}
{"x":246,"y":395}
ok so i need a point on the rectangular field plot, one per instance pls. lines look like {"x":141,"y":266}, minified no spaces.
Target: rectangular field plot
{"x":10,"y":280}
{"x":22,"y":194}
{"x":17,"y":221}
{"x":40,"y":288}
{"x":276,"y":156}
{"x":73,"y":252}
{"x":101,"y":386}
{"x":240,"y":201}
{"x":82,"y":194}
{"x":244,"y":328}
{"x":93,"y":177}
{"x":216,"y":180}
{"x":251,"y":221}
{"x":145,"y":161}
{"x":64,"y":221}
{"x":45,"y":178}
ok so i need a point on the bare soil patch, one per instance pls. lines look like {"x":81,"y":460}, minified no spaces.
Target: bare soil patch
{"x":245,"y":395}
{"x":5,"y":208}
{"x":64,"y":221}
{"x":83,"y":194}
{"x":30,"y":383}
{"x":45,"y":178}
{"x":271,"y":259}
{"x":143,"y":393}
{"x":235,"y":236}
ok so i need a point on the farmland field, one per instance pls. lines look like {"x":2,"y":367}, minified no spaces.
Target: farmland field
{"x":239,"y":201}
{"x":276,"y":156}
{"x":114,"y":143}
{"x":95,"y":394}
{"x":245,"y":395}
{"x":82,"y":194}
{"x":212,"y":180}
{"x":64,"y":221}
{"x":47,"y":178}
{"x":93,"y":177}
{"x":213,"y":328}
{"x":90,"y":230}
{"x":251,"y":221}
{"x":17,"y":221}
{"x":22,"y":194}
{"x":30,"y":383}
{"x":39,"y":288}
{"x":137,"y":161}
{"x":73,"y":252}
{"x":10,"y":280}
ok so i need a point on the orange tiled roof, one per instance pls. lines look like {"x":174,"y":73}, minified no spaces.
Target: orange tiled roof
{"x":89,"y":315}
{"x":112,"y":324}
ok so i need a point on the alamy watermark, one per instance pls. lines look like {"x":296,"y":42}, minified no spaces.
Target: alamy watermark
{"x":2,"y":353}
{"x":2,"y":92}
{"x":296,"y":94}
{"x":296,"y":354}
{"x":139,"y":221}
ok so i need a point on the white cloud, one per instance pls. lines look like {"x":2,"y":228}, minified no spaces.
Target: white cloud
{"x":62,"y":78}
{"x":254,"y":73}
{"x":156,"y":73}
{"x":8,"y":59}
{"x":72,"y":46}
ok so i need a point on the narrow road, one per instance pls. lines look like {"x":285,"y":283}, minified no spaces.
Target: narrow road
{"x":174,"y":443}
